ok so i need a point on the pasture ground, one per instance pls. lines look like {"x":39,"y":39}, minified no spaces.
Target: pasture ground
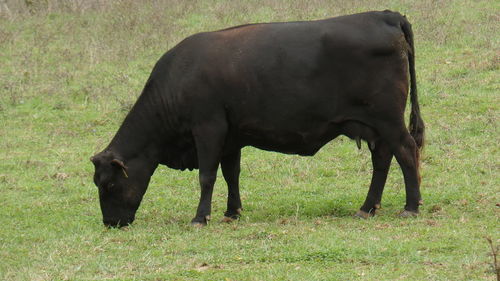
{"x":69,"y":75}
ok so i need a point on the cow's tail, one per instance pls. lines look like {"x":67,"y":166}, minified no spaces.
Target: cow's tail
{"x":417,"y":127}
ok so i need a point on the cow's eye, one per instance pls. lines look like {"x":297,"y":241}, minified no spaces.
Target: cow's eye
{"x":110,"y":186}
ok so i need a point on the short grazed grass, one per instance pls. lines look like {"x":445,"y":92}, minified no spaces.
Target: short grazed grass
{"x":68,"y":77}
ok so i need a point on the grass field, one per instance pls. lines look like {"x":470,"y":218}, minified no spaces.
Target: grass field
{"x":69,"y":76}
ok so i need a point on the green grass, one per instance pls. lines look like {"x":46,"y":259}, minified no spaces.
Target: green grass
{"x":67,"y":79}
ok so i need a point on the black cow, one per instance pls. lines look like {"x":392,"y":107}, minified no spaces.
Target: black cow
{"x":287,"y":87}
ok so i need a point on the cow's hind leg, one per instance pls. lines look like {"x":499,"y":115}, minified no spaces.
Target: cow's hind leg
{"x":209,"y":140}
{"x":381,"y":160}
{"x":406,"y":152}
{"x":230,"y":165}
{"x":407,"y":156}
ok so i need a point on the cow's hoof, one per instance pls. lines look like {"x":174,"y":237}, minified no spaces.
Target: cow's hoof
{"x":408,"y":214}
{"x":363,"y":215}
{"x":197,"y":224}
{"x":228,"y":219}
{"x":232,"y":216}
{"x":200,"y":222}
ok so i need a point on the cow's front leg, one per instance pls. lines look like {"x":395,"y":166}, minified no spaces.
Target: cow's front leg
{"x":230,"y":165}
{"x":381,"y":160}
{"x":207,"y":181}
{"x":209,"y":140}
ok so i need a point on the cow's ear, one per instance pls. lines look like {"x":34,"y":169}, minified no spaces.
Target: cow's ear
{"x":120,"y":164}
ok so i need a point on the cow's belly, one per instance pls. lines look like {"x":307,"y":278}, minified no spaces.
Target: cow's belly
{"x":289,"y":140}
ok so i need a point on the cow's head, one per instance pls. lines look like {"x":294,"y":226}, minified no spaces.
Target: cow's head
{"x":121,"y":186}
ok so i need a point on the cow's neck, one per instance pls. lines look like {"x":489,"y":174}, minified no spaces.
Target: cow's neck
{"x":141,"y":133}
